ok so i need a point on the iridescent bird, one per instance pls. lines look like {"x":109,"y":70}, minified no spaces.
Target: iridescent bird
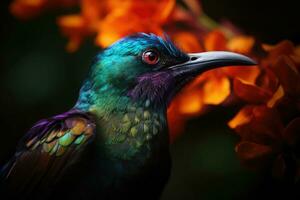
{"x":114,"y":143}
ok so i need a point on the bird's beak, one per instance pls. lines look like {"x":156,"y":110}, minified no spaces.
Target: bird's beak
{"x":200,"y":62}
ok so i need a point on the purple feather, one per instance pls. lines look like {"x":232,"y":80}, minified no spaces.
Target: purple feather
{"x":43,"y":126}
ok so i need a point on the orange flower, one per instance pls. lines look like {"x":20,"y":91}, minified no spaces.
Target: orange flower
{"x":288,"y":75}
{"x":187,"y":41}
{"x":279,"y":78}
{"x":194,"y":98}
{"x":250,"y":92}
{"x":212,"y":87}
{"x":248,"y":74}
{"x":274,"y":98}
{"x":215,"y":41}
{"x":241,"y":44}
{"x":188,"y":103}
{"x":112,"y":20}
{"x":266,"y":143}
{"x":216,"y":84}
{"x":76,"y":28}
{"x":136,"y":16}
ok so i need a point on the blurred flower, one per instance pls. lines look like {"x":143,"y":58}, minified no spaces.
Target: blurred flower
{"x":212,"y":87}
{"x":112,"y":20}
{"x":279,"y":79}
{"x":265,"y":143}
{"x":241,"y":44}
{"x":28,"y":9}
{"x":269,"y":126}
{"x":187,"y":41}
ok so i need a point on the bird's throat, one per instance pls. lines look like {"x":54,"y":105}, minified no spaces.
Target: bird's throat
{"x":130,"y":131}
{"x":127,"y":125}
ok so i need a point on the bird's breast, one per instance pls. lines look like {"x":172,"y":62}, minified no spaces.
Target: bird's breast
{"x":132,"y":149}
{"x":134,"y":133}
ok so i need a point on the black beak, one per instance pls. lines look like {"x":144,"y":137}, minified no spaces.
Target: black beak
{"x":200,"y":62}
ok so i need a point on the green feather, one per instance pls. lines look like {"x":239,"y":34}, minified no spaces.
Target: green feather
{"x":67,"y":139}
{"x":80,"y":139}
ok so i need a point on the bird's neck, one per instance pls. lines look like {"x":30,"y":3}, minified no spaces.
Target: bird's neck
{"x":128,"y":127}
{"x":100,"y":100}
{"x":104,"y":99}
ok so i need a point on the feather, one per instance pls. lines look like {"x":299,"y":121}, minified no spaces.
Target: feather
{"x":47,"y":151}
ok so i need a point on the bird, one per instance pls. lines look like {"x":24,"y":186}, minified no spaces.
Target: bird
{"x":114,"y":142}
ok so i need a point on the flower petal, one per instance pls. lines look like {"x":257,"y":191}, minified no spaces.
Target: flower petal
{"x":116,"y":27}
{"x":216,"y":90}
{"x":241,"y":44}
{"x":72,"y":24}
{"x":267,"y":80}
{"x":93,"y":10}
{"x":258,"y":124}
{"x":250,"y":93}
{"x":283,"y":48}
{"x":187,"y":41}
{"x":244,"y":116}
{"x":139,"y":16}
{"x":75,"y":28}
{"x":156,"y":10}
{"x":288,"y":75}
{"x":176,"y":121}
{"x":276,"y":97}
{"x":190,"y":102}
{"x":215,"y":41}
{"x":248,"y":74}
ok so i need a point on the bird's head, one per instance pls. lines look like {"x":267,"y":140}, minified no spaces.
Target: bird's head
{"x":147,"y":67}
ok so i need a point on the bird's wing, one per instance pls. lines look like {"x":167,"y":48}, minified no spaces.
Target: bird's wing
{"x":48,"y":151}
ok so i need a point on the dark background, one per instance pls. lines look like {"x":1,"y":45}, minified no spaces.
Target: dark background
{"x":39,"y":79}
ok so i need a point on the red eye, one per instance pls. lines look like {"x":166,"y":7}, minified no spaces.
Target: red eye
{"x":150,"y":57}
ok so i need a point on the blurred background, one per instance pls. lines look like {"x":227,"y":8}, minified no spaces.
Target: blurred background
{"x":38,"y":79}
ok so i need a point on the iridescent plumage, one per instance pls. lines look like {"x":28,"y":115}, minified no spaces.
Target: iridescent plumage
{"x":114,"y":142}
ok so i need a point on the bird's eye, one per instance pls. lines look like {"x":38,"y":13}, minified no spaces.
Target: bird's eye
{"x":150,"y":57}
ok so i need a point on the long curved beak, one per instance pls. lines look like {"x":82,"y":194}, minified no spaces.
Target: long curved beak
{"x":200,"y":62}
